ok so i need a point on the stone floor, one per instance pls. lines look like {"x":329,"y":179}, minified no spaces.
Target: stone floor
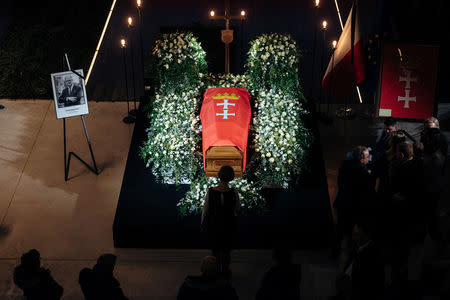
{"x":70,"y":223}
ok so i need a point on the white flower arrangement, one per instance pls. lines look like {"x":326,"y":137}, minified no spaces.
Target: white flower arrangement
{"x":178,"y":47}
{"x":249,"y":195}
{"x":279,"y":136}
{"x":172,"y":136}
{"x":173,"y":147}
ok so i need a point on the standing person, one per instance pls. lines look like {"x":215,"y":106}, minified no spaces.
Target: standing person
{"x":382,"y":144}
{"x":34,"y":281}
{"x":431,"y":123}
{"x":407,"y":222}
{"x":218,"y":218}
{"x":283,"y":280}
{"x":208,"y":286}
{"x":363,"y":277}
{"x":71,"y":94}
{"x":355,"y":195}
{"x":433,"y":165}
{"x":99,"y":282}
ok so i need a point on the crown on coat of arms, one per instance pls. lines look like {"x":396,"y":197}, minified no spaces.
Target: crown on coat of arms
{"x":232,"y":96}
{"x":411,"y":62}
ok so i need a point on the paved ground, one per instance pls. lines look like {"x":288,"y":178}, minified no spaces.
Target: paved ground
{"x":70,"y":223}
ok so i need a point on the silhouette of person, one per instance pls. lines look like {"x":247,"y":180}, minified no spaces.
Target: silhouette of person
{"x":34,"y":281}
{"x":363,"y":278}
{"x":99,"y":282}
{"x":71,"y":94}
{"x":218,"y":218}
{"x":282,"y":281}
{"x":208,"y":286}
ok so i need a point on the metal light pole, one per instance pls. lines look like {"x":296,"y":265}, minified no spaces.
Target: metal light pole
{"x":333,"y":47}
{"x":139,"y":6}
{"x":316,"y":9}
{"x":324,"y":29}
{"x":133,"y":112}
{"x":128,"y":119}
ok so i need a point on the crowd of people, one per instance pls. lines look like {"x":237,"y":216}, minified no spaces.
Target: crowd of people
{"x":386,"y":205}
{"x":282,"y":281}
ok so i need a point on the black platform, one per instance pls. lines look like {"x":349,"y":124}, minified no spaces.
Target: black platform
{"x":147,"y":216}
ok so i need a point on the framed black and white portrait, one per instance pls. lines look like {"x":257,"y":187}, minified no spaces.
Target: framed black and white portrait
{"x":69,"y":92}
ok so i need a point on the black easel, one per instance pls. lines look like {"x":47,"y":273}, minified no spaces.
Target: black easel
{"x":67,"y":160}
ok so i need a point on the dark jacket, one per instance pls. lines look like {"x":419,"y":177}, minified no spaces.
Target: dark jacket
{"x":367,"y":274}
{"x":202,"y":288}
{"x":75,"y":92}
{"x":281,"y":282}
{"x":37,"y":284}
{"x":98,"y":285}
{"x":356,"y":189}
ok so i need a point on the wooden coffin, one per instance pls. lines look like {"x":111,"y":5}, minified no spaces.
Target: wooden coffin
{"x":218,"y":156}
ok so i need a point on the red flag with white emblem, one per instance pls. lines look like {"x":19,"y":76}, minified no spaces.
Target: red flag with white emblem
{"x":225,"y":117}
{"x":408,"y":81}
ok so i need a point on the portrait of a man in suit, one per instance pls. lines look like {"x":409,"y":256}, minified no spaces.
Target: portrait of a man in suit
{"x":71,"y":93}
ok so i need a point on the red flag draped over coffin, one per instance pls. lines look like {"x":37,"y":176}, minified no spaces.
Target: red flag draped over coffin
{"x":225,"y":117}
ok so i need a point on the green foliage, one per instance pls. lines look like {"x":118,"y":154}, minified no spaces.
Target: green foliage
{"x":180,"y":60}
{"x":35,"y":46}
{"x":273,"y":64}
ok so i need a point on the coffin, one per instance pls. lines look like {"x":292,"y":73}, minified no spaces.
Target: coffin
{"x":225,"y":117}
{"x":218,"y":156}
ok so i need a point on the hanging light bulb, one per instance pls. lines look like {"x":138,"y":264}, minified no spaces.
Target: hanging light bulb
{"x":333,"y":44}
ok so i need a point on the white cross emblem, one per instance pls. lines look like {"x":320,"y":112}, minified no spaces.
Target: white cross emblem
{"x":408,"y":79}
{"x":225,"y":104}
{"x":225,"y":114}
{"x":407,"y":98}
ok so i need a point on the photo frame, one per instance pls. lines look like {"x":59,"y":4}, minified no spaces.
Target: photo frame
{"x":69,"y":93}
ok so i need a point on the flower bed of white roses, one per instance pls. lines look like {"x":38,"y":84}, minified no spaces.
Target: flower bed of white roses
{"x":281,"y":139}
{"x":178,"y":47}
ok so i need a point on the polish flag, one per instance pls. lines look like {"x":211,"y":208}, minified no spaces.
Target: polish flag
{"x":346,"y":68}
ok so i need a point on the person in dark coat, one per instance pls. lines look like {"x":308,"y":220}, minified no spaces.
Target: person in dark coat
{"x":382,"y":144}
{"x":36,"y":282}
{"x":407,"y":218}
{"x":283,"y":280}
{"x":71,"y":94}
{"x":356,"y":192}
{"x":209,"y":286}
{"x":218,"y":218}
{"x":363,"y":278}
{"x":99,"y":282}
{"x":433,"y":164}
{"x":433,"y":124}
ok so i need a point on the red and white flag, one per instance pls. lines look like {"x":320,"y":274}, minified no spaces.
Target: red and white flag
{"x":346,"y":68}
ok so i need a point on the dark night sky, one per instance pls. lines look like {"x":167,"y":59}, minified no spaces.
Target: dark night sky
{"x":407,"y":20}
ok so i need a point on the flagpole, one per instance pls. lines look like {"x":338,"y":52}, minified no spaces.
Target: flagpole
{"x":342,"y":28}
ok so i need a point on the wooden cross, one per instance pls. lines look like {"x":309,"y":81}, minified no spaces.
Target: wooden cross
{"x":227,"y":34}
